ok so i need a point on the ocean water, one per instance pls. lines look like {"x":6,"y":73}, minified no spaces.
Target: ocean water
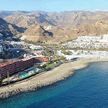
{"x":87,"y":88}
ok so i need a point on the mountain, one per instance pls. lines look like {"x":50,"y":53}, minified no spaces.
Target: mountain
{"x":72,"y":18}
{"x":5,"y":29}
{"x":35,"y":33}
{"x":8,"y":30}
{"x":63,"y":25}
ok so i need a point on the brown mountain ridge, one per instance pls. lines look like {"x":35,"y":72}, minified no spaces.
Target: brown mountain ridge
{"x":58,"y":26}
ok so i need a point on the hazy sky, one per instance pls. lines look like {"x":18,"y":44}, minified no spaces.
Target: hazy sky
{"x":53,"y":5}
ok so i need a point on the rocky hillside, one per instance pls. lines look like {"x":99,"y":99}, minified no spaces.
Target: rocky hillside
{"x":30,"y":31}
{"x":35,"y":33}
{"x":8,"y":30}
{"x":62,"y":25}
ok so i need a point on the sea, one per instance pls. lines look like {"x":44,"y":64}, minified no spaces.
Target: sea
{"x":87,"y":88}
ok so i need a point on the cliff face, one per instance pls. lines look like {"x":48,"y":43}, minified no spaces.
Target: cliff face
{"x":62,"y":25}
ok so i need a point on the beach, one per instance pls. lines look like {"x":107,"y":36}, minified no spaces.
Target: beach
{"x":47,"y":78}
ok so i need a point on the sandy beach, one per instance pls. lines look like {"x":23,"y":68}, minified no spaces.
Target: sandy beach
{"x":46,"y":78}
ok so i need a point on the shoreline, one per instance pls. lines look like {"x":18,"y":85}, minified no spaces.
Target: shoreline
{"x":47,"y":78}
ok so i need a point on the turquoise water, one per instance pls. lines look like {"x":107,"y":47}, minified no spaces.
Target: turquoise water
{"x":88,"y":88}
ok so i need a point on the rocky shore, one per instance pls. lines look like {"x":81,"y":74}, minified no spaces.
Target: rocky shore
{"x":46,"y":78}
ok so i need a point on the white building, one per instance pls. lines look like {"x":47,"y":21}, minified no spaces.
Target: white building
{"x":35,"y":47}
{"x":89,"y":42}
{"x":84,"y":54}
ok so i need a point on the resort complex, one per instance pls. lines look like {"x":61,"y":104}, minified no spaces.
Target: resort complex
{"x":89,"y":42}
{"x":21,"y":61}
{"x":53,"y":53}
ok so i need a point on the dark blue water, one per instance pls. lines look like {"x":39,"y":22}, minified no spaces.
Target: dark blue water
{"x":88,"y":88}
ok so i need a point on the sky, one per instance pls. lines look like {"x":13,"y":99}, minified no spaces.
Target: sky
{"x":53,"y":5}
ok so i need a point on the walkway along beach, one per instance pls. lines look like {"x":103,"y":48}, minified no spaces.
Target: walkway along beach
{"x":46,"y":78}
